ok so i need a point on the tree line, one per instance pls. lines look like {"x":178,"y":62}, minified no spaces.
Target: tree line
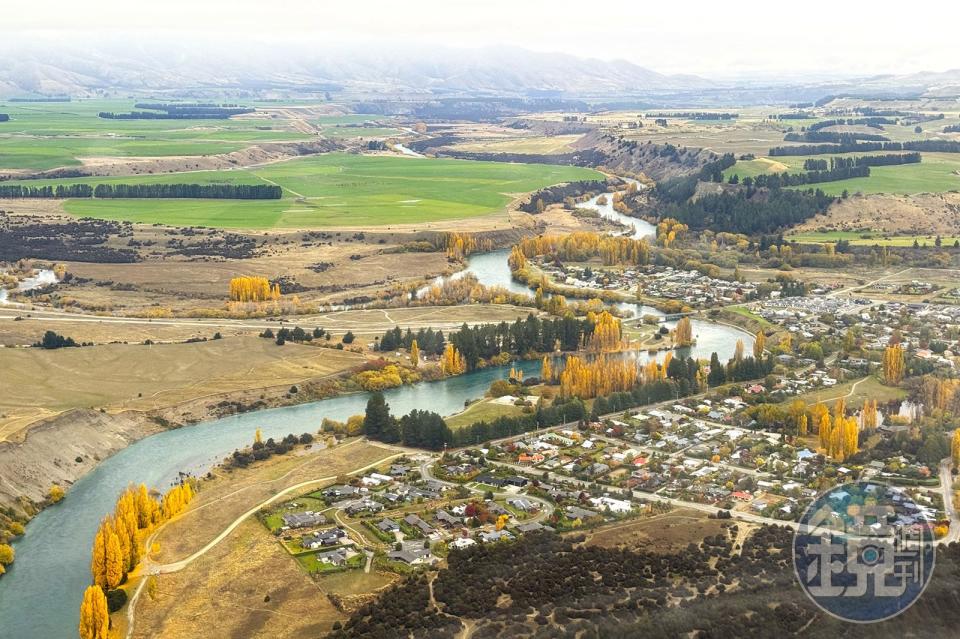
{"x":930,"y":146}
{"x":814,"y":164}
{"x":486,"y":341}
{"x":178,"y":112}
{"x":169,"y":191}
{"x":845,"y":137}
{"x":872,"y":122}
{"x":777,"y":180}
{"x":952,"y":128}
{"x":695,"y":115}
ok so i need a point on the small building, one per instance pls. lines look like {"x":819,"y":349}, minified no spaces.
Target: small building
{"x":415,"y":522}
{"x":303,"y":520}
{"x":412,"y":556}
{"x":388,"y":525}
{"x":331,"y":537}
{"x":336,"y":557}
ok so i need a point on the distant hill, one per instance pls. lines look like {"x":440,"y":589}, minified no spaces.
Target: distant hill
{"x":86,"y":70}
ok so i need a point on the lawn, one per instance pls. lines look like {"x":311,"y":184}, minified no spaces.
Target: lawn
{"x":339,"y":189}
{"x":869,"y":388}
{"x":484,"y":410}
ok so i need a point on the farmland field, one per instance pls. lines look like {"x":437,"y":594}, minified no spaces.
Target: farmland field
{"x":871,"y":238}
{"x":337,"y":190}
{"x":938,"y":172}
{"x":46,"y":136}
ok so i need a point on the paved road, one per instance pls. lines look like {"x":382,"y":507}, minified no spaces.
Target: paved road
{"x":946,"y":487}
{"x":340,"y":319}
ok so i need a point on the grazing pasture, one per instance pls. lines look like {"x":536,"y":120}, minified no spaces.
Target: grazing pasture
{"x":338,"y":189}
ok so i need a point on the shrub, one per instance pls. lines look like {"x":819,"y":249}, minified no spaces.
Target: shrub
{"x":116,"y":599}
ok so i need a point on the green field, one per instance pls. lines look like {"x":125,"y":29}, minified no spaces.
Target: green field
{"x":483,"y":411}
{"x":336,"y":189}
{"x":42,"y":136}
{"x":937,"y":173}
{"x":868,"y":238}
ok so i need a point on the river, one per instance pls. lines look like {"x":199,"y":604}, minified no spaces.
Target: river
{"x":40,"y":278}
{"x":40,"y":595}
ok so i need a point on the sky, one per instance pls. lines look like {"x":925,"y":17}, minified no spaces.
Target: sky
{"x":748,"y":38}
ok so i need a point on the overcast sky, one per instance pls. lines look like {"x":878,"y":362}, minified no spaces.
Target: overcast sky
{"x":749,"y":37}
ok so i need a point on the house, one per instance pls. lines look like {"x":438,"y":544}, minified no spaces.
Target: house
{"x":614,"y":505}
{"x":398,"y":471}
{"x":598,"y":469}
{"x":530,"y":458}
{"x":496,"y":509}
{"x":336,"y":557}
{"x":521,"y":503}
{"x":363,"y":505}
{"x":303,"y":520}
{"x":575,"y":512}
{"x":490,"y":480}
{"x":412,"y":556}
{"x":415,"y":522}
{"x":388,"y":525}
{"x":532,"y":526}
{"x":448,"y":520}
{"x":331,"y":537}
{"x":494,"y":535}
{"x":462,"y":542}
{"x":338,"y":492}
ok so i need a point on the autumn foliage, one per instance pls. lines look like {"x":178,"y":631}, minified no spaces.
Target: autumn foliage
{"x":669,"y":230}
{"x":460,"y":245}
{"x":683,"y":333}
{"x":452,"y":362}
{"x":894,"y":364}
{"x":253,"y":289}
{"x":602,"y":376}
{"x":117,"y":545}
{"x":839,"y":436}
{"x":94,"y":617}
{"x":581,"y":246}
{"x":606,"y":335}
{"x":759,"y":345}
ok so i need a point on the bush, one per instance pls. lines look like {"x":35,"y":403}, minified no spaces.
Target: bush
{"x":116,"y":599}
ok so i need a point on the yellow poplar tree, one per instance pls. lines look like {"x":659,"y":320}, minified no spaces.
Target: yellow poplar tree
{"x":683,"y":333}
{"x":738,"y":350}
{"x":546,"y":370}
{"x":894,"y":364}
{"x":759,"y":344}
{"x":452,"y":362}
{"x":415,"y":353}
{"x":94,"y":616}
{"x":114,"y":560}
{"x":98,"y":561}
{"x":955,"y":448}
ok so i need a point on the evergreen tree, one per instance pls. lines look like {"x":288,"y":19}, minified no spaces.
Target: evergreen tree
{"x":376,"y":421}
